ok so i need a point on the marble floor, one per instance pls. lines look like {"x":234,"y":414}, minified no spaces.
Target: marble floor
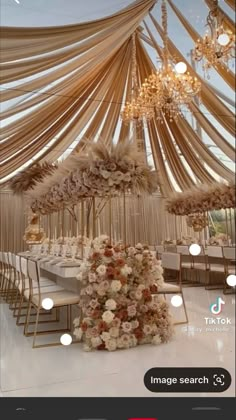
{"x":71,"y":372}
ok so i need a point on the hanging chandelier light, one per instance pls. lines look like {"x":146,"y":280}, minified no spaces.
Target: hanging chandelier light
{"x":132,"y":109}
{"x":170,"y":88}
{"x":217,"y":47}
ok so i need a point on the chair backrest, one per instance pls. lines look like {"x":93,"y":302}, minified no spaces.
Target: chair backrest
{"x":33,"y":270}
{"x":171,"y":261}
{"x":17,"y":266}
{"x":13,"y":260}
{"x":215,"y":251}
{"x":160,"y":249}
{"x":5,"y":257}
{"x":229,"y":252}
{"x":10,"y":258}
{"x":170,"y":248}
{"x":183,"y":249}
{"x":1,"y":256}
{"x":23,"y":263}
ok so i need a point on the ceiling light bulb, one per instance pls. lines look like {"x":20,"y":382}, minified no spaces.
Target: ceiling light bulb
{"x":17,"y":1}
{"x":231,"y":280}
{"x":181,"y":67}
{"x":176,"y":301}
{"x":223,"y":39}
{"x":47,"y":303}
{"x":66,"y":339}
{"x":194,"y":249}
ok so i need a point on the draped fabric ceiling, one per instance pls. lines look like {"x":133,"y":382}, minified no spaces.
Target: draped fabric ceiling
{"x":77,"y":77}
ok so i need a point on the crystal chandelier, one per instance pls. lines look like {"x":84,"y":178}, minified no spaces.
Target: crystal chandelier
{"x":168,"y":89}
{"x":132,"y":111}
{"x":216,"y":47}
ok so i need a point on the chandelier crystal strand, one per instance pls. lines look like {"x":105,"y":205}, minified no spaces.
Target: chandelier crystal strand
{"x":217,"y":47}
{"x":166,"y":91}
{"x":132,"y":110}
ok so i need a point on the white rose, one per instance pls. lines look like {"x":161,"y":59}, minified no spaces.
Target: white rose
{"x":78,"y":333}
{"x":79,"y":276}
{"x":92,"y":277}
{"x":126,"y":327}
{"x":138,"y":295}
{"x":111,"y":344}
{"x":125,"y":289}
{"x":141,"y":287}
{"x":139,"y":257}
{"x":108,"y":316}
{"x":76,"y":322}
{"x":89,"y":290}
{"x":110,"y":305}
{"x":101,"y":270}
{"x":125,"y":271}
{"x":147,"y":329}
{"x":96,"y":341}
{"x":156,"y":339}
{"x":105,"y":336}
{"x":115,"y":285}
{"x":114,"y":332}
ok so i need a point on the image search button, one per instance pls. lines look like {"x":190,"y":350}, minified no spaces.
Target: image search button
{"x":187,"y":380}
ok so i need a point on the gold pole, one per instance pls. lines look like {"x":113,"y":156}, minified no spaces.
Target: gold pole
{"x":226,"y":224}
{"x":176,"y":234}
{"x":62,"y":226}
{"x":82,"y":228}
{"x":231,"y":226}
{"x":205,"y":229}
{"x":124,"y":210}
{"x":94,"y":218}
{"x":50,"y":231}
{"x":110,"y":216}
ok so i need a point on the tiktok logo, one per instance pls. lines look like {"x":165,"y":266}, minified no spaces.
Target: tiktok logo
{"x":216,"y":307}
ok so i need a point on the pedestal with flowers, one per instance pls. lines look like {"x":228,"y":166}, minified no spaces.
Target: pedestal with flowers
{"x":119,"y":305}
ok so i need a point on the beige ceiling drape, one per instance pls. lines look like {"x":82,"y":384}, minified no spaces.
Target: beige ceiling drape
{"x":231,"y":3}
{"x":77,"y":82}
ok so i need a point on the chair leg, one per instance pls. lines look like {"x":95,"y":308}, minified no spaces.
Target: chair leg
{"x":36,"y":327}
{"x":185,"y":309}
{"x":26,"y":325}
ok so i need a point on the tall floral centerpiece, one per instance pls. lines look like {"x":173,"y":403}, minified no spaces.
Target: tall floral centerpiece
{"x":119,"y":305}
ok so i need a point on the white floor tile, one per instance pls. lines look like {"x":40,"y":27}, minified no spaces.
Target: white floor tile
{"x":69,"y":371}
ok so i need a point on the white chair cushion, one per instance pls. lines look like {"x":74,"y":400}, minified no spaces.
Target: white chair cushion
{"x":43,"y":290}
{"x":59,"y":298}
{"x":168,"y":287}
{"x":186,"y":265}
{"x":217,"y":268}
{"x":43,"y":282}
{"x":199,"y":266}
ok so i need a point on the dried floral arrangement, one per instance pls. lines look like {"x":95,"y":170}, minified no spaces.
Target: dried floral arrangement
{"x":198,"y":221}
{"x":28,"y":178}
{"x":221,"y":239}
{"x":101,"y":172}
{"x":34,"y":234}
{"x":202,"y":198}
{"x":119,"y":307}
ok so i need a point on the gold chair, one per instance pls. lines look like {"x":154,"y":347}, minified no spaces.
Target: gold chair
{"x":24,"y":286}
{"x":36,"y":295}
{"x":172,"y":261}
{"x":216,"y":264}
